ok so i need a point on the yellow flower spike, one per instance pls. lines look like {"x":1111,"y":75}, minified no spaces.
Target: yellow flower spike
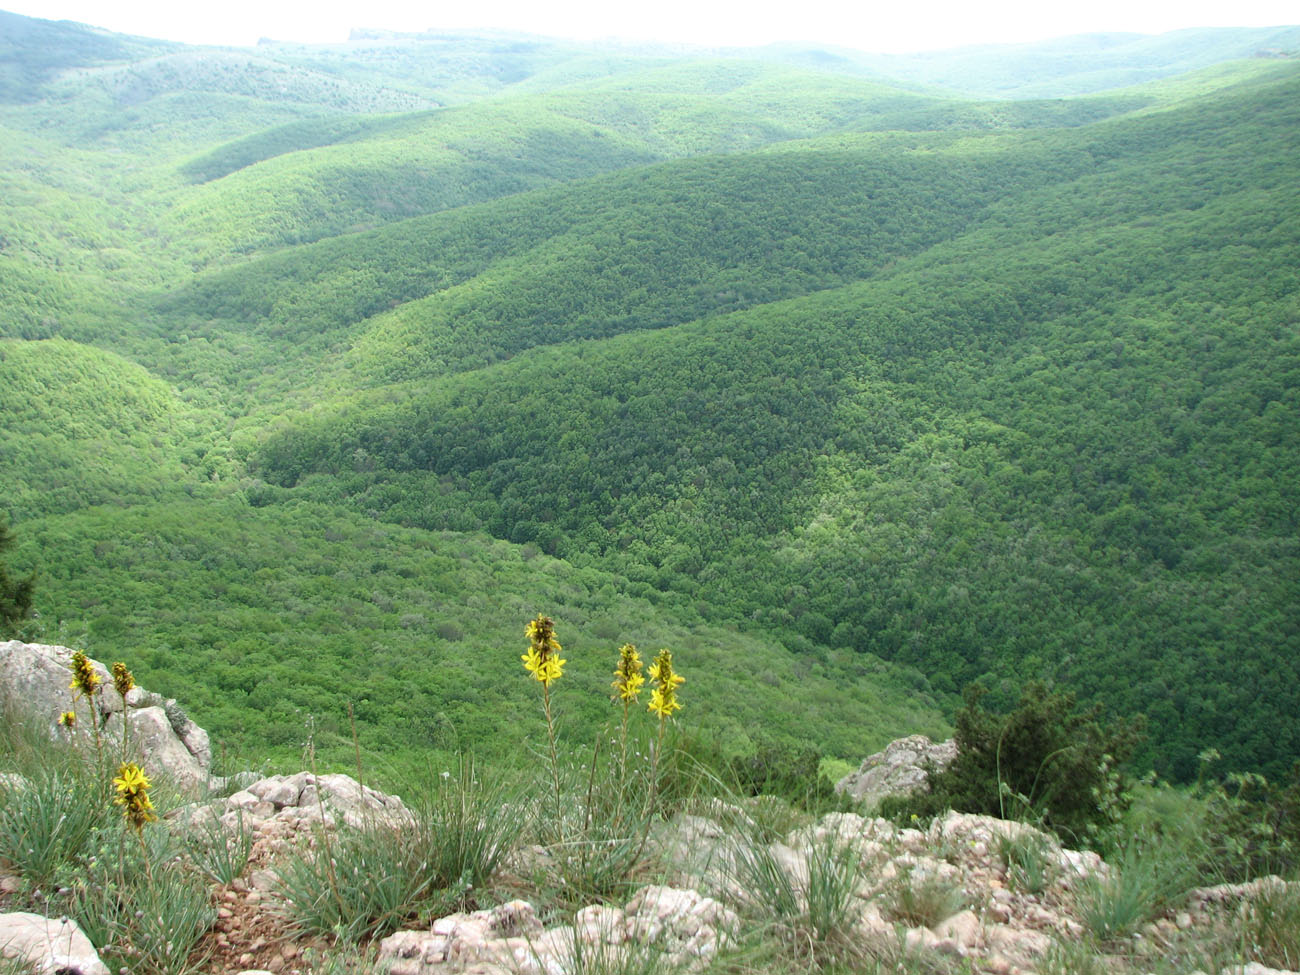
{"x":132,"y":787}
{"x":543,"y":659}
{"x":627,"y":675}
{"x":68,"y":719}
{"x":123,"y":680}
{"x":84,"y":679}
{"x":663,"y":699}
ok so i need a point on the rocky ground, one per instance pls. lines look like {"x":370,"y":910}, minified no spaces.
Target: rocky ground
{"x":980,"y":916}
{"x":967,"y":894}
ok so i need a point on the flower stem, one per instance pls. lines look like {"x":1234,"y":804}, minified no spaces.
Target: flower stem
{"x":555,"y":762}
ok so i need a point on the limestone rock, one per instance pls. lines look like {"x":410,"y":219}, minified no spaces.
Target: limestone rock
{"x":152,"y":736}
{"x":963,"y":928}
{"x":900,"y":768}
{"x":169,"y":744}
{"x":50,"y":946}
{"x":331,"y":799}
{"x":681,"y":926}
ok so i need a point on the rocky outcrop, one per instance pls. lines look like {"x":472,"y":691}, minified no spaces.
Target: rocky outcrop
{"x":681,"y":930}
{"x":48,"y":946}
{"x":902,"y":766}
{"x":307,"y":799}
{"x":168,"y":744}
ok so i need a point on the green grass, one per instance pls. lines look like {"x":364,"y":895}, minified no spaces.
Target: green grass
{"x":362,"y":884}
{"x":1147,"y":877}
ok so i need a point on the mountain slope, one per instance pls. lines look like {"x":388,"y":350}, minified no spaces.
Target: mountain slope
{"x":776,"y":365}
{"x":1038,"y":341}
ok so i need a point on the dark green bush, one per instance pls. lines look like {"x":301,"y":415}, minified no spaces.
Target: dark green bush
{"x":15,"y":594}
{"x":1047,"y":760}
{"x":792,"y":772}
{"x":1251,"y":826}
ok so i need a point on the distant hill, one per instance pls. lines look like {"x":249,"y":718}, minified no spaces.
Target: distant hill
{"x":1076,"y":65}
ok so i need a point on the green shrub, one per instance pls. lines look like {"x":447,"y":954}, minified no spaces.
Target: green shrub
{"x":1030,"y":861}
{"x":15,"y":594}
{"x":52,"y":823}
{"x":1271,"y":928}
{"x":1047,"y":760}
{"x":363,"y":883}
{"x":789,"y":771}
{"x":1251,"y":827}
{"x":220,"y":854}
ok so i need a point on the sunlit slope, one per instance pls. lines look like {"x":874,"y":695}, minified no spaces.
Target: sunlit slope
{"x":658,"y":245}
{"x":300,"y":183}
{"x":645,"y":249}
{"x":1009,"y":455}
{"x":272,"y":621}
{"x":83,"y":426}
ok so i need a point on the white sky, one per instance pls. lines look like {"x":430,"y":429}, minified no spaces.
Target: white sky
{"x":870,"y":26}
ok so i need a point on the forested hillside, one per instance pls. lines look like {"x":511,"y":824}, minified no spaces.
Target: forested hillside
{"x":324,"y":369}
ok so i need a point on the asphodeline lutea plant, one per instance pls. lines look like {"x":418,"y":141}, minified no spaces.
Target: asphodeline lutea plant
{"x":123,"y":680}
{"x":133,"y":796}
{"x":68,"y":719}
{"x":85,"y":683}
{"x":123,"y":683}
{"x":663,"y":702}
{"x":543,"y":659}
{"x":627,"y":675}
{"x":663,"y":699}
{"x":544,"y":662}
{"x":628,"y":679}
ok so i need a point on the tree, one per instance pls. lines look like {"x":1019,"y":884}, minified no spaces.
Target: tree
{"x":15,"y":594}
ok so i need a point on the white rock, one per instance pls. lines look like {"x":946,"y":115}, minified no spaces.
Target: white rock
{"x":50,"y":946}
{"x":1018,"y":942}
{"x":899,"y":768}
{"x":601,"y":924}
{"x":919,"y":939}
{"x":169,"y":745}
{"x":963,"y":928}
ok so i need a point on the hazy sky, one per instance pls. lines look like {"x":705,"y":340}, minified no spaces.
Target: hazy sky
{"x":906,"y":26}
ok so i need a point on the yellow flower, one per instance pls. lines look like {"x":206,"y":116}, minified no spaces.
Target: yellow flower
{"x":123,"y":680}
{"x":84,"y":679}
{"x":68,"y":719}
{"x":663,"y":699}
{"x":543,"y":659}
{"x":627,"y":675}
{"x":133,"y":795}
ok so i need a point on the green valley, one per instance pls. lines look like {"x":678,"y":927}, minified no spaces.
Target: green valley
{"x":323,"y":370}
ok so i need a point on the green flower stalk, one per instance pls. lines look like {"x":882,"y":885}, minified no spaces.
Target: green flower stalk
{"x":123,"y":683}
{"x":663,"y":702}
{"x":85,"y":683}
{"x":543,"y":661}
{"x":627,"y":688}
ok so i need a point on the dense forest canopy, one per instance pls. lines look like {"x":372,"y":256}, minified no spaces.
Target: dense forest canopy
{"x":324,"y":369}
